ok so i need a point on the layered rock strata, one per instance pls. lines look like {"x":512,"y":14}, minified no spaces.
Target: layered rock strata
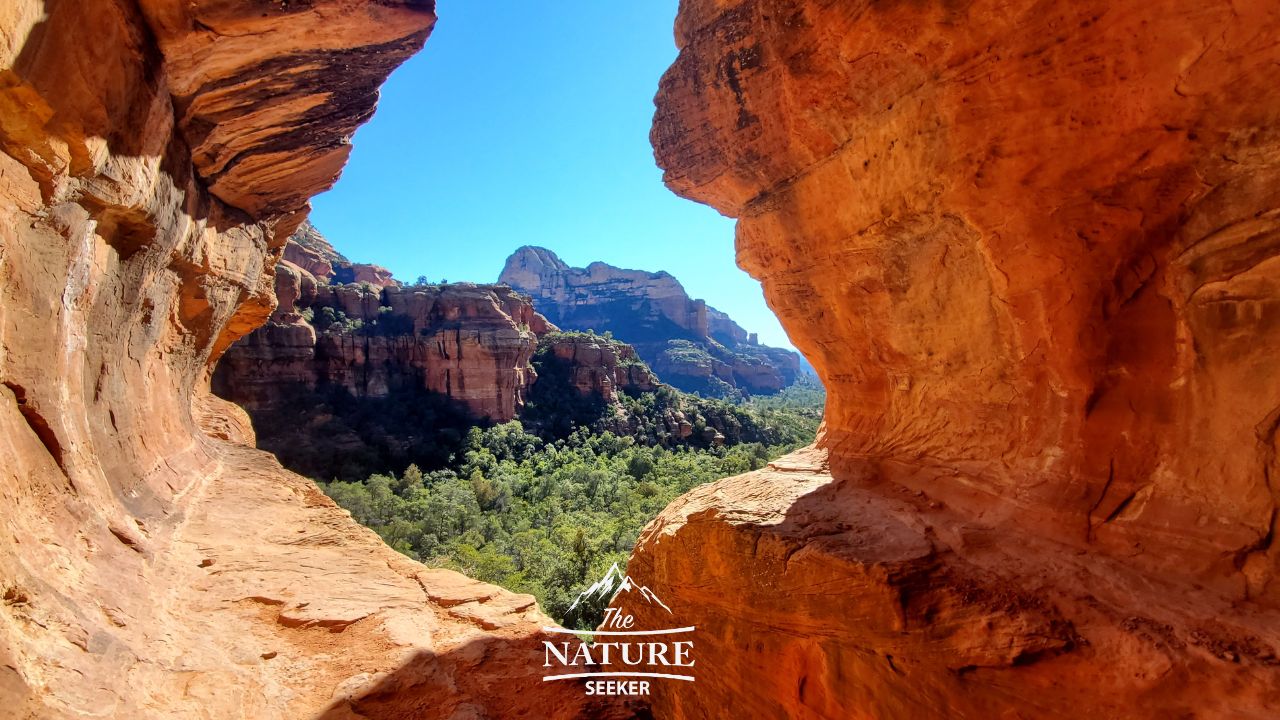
{"x":598,"y":374}
{"x":689,"y":344}
{"x":469,"y":343}
{"x":601,"y":368}
{"x":154,"y":156}
{"x":349,"y":379}
{"x":1031,"y":250}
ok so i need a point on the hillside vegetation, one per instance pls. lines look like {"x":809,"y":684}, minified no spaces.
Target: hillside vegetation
{"x":547,"y":517}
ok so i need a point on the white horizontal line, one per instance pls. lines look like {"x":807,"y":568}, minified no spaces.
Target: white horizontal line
{"x":619,"y":674}
{"x":618,"y":632}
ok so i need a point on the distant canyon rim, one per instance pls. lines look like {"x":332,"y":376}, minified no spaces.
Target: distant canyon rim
{"x":1029,"y":247}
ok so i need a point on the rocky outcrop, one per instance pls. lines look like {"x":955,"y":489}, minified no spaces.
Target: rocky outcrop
{"x":597,"y":383}
{"x":348,"y":379}
{"x":691,"y":345}
{"x":584,"y":380}
{"x":600,"y":294}
{"x":154,"y":156}
{"x":471,"y":344}
{"x":600,"y":367}
{"x":1031,"y":251}
{"x":311,"y":251}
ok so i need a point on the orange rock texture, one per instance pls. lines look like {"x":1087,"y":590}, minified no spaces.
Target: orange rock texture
{"x":1032,"y":250}
{"x":154,"y":156}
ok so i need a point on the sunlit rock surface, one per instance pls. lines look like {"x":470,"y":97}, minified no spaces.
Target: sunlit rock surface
{"x":154,"y":156}
{"x":471,"y":344}
{"x":691,"y":345}
{"x":1031,"y":250}
{"x":600,"y":367}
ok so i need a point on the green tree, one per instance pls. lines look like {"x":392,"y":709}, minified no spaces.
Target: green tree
{"x":548,"y":516}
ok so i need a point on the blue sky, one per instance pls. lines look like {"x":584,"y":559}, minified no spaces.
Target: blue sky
{"x":528,"y":124}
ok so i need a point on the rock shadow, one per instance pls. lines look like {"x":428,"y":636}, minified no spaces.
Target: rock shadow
{"x":490,"y":677}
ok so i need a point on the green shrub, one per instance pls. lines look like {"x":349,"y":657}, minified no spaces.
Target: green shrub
{"x":546,"y":518}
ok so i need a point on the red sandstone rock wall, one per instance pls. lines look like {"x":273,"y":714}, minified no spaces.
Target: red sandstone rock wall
{"x":154,"y":156}
{"x":1031,"y":249}
{"x":659,"y":296}
{"x":469,"y":343}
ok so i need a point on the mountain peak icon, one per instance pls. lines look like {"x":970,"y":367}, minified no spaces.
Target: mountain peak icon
{"x":614,"y":582}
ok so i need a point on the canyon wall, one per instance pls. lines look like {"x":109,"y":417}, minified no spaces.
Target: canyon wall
{"x":599,"y":367}
{"x":689,"y":344}
{"x":154,"y":156}
{"x":469,"y":343}
{"x":1033,"y":251}
{"x":349,"y":379}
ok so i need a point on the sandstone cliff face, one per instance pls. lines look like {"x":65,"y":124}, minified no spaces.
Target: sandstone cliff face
{"x":153,"y":158}
{"x":1031,"y":250}
{"x":602,"y":368}
{"x":599,"y":291}
{"x":602,"y":373}
{"x":710,"y":354}
{"x":469,"y":343}
{"x":346,"y":380}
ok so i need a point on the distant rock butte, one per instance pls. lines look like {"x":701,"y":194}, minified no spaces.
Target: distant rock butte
{"x":710,"y":354}
{"x":154,"y":157}
{"x":1033,"y":251}
{"x":471,"y":345}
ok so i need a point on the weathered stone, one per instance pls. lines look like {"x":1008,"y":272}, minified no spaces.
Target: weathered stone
{"x":1031,"y":251}
{"x":310,"y":250}
{"x":154,"y":156}
{"x":469,"y":343}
